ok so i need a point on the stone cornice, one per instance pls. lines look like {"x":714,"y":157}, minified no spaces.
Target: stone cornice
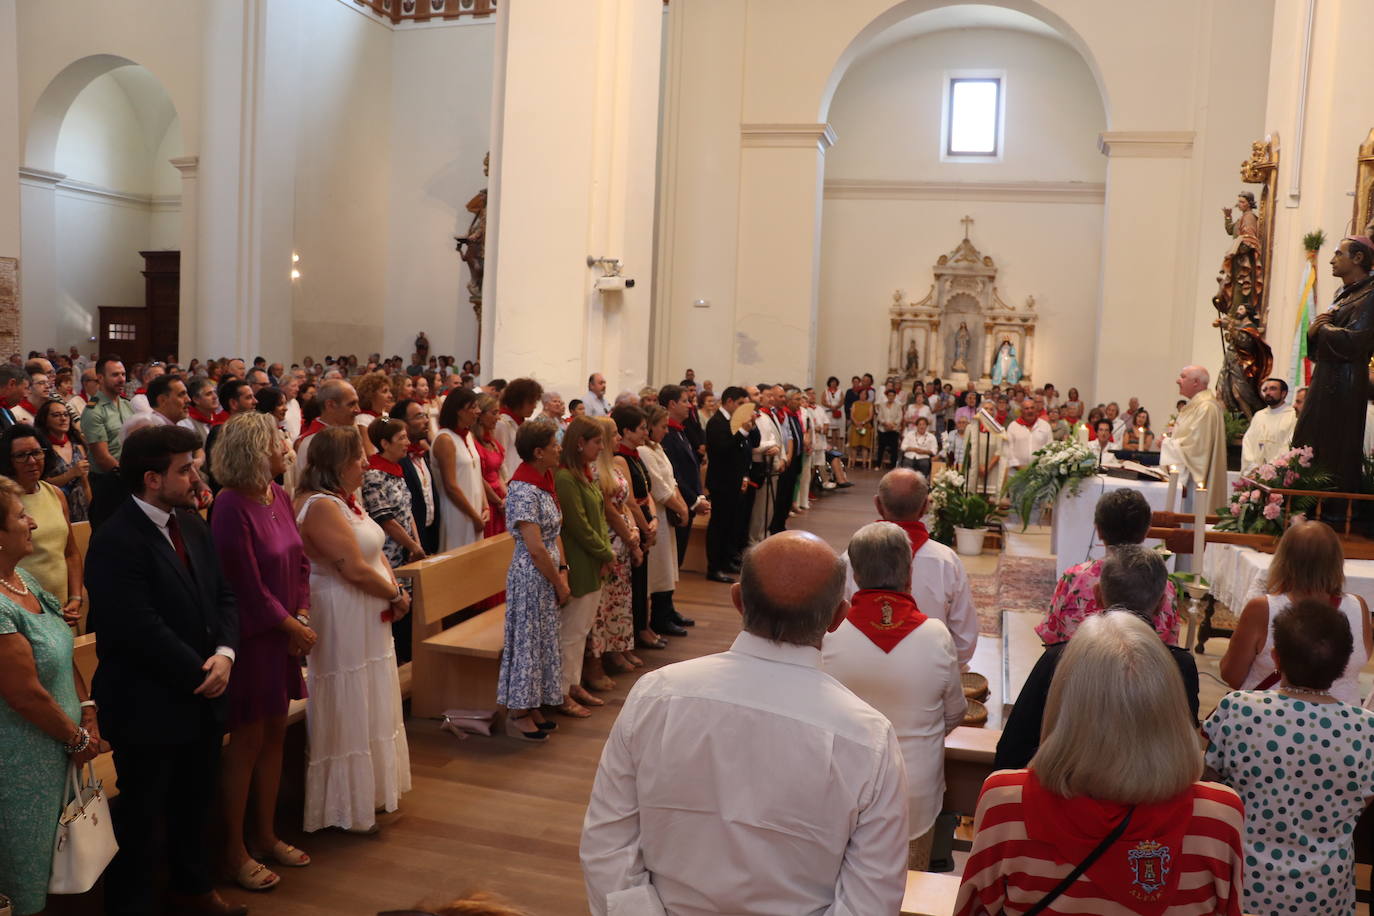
{"x":1147,"y":144}
{"x":186,"y":165}
{"x":39,"y":177}
{"x":788,"y":136}
{"x":1065,"y":192}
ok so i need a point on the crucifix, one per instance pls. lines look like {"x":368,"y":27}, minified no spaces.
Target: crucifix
{"x":967,"y":221}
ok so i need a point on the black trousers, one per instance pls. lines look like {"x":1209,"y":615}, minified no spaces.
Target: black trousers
{"x":888,"y":441}
{"x":722,"y":526}
{"x":782,"y":499}
{"x":162,"y":788}
{"x":743,"y":510}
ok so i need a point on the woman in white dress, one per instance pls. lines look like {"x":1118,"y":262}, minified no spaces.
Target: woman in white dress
{"x":832,"y":400}
{"x":359,"y":761}
{"x":663,"y":573}
{"x":457,"y":466}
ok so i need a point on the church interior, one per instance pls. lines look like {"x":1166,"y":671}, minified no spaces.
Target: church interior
{"x":1065,"y":211}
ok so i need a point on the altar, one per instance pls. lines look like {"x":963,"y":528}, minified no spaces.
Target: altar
{"x":1073,"y":536}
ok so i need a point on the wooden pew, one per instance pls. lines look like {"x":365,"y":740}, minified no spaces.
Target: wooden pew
{"x":457,"y":667}
{"x":969,"y":753}
{"x":695,"y":560}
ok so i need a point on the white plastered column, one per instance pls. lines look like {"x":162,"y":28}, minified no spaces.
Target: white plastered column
{"x":574,"y":147}
{"x":186,"y":329}
{"x":38,"y":266}
{"x":782,"y":169}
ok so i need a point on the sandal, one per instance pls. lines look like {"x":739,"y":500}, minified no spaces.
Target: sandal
{"x":602,"y":683}
{"x":254,"y":876}
{"x":517,"y":732}
{"x":634,"y":660}
{"x":578,"y":693}
{"x":285,"y":854}
{"x":574,"y":709}
{"x":617,"y":664}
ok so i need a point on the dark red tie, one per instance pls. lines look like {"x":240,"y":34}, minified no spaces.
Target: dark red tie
{"x":178,"y":544}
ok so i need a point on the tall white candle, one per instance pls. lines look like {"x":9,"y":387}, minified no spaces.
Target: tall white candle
{"x":1173,"y":489}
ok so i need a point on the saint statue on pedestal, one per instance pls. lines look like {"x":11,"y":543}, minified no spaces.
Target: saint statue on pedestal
{"x":913,"y":360}
{"x":961,"y":345}
{"x":1006,"y":369}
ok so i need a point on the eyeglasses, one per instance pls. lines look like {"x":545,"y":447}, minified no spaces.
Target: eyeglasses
{"x":27,"y":456}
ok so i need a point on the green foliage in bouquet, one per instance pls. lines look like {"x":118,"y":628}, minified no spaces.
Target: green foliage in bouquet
{"x":1053,"y":468}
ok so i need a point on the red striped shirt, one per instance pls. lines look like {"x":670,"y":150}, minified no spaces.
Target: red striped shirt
{"x":1008,"y":871}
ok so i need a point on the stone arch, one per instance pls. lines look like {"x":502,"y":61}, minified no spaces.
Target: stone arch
{"x":907,"y":9}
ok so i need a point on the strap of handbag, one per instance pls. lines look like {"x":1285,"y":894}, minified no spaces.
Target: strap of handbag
{"x":1083,"y":866}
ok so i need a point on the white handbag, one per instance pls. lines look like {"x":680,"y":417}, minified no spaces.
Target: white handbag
{"x":85,"y":841}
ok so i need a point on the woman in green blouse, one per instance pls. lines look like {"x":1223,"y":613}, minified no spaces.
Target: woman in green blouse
{"x":587,"y":544}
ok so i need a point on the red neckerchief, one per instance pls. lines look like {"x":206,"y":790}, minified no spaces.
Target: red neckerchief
{"x":1022,"y":420}
{"x":195,"y":413}
{"x":1141,"y":869}
{"x":28,"y":405}
{"x":377,"y":463}
{"x":418,"y":449}
{"x":315,"y":426}
{"x":673,"y":424}
{"x":1001,"y":418}
{"x":84,"y":396}
{"x":526,"y":473}
{"x":627,"y":453}
{"x":142,"y":391}
{"x":510,"y":413}
{"x":915,"y":531}
{"x":885,"y":617}
{"x":352,"y":503}
{"x":57,"y":440}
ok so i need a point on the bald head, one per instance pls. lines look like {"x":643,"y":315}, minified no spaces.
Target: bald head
{"x":1193,"y":379}
{"x":902,"y":495}
{"x":791,"y":589}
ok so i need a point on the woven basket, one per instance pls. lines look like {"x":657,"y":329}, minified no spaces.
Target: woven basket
{"x":975,"y":685}
{"x":977,"y":715}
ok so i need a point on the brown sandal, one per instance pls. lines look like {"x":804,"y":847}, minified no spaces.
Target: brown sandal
{"x":574,"y":709}
{"x":580,"y":694}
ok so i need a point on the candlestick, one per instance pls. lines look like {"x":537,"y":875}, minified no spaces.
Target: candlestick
{"x":1199,"y":526}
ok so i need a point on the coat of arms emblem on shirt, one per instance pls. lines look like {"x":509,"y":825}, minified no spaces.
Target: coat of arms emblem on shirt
{"x":1149,"y":863}
{"x":888,"y":613}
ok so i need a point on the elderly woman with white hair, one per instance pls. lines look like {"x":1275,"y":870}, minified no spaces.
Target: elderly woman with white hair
{"x":903,"y":664}
{"x":1111,"y":808}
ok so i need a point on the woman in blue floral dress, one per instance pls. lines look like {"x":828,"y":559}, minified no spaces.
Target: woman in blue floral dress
{"x":536,"y":587}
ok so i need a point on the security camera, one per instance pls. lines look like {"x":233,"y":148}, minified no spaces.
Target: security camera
{"x":614,"y":283}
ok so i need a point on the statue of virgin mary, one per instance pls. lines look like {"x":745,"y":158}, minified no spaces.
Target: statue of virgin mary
{"x":1006,"y":370}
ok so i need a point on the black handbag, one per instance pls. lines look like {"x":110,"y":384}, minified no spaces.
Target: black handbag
{"x":1083,"y":866}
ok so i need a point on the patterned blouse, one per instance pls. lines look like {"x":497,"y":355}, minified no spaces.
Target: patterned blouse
{"x":1075,"y":600}
{"x":386,"y":497}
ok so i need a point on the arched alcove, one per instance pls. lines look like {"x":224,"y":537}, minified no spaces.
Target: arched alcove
{"x":99,"y":188}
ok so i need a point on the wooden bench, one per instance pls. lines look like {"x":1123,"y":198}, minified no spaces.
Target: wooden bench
{"x":969,"y":753}
{"x":695,"y":560}
{"x":457,"y":667}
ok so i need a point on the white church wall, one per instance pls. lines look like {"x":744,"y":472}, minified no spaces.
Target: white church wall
{"x":440,"y":125}
{"x":165,"y":227}
{"x":10,"y":151}
{"x":882,"y":230}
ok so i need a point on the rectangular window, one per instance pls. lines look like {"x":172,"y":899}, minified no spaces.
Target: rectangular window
{"x":973,"y":117}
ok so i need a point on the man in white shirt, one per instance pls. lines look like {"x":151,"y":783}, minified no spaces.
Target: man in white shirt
{"x":768,"y":460}
{"x":889,"y":419}
{"x":751,"y":780}
{"x":338,"y":407}
{"x":290,"y":387}
{"x":955,"y":444}
{"x":1027,"y":434}
{"x":938,"y":581}
{"x":168,"y":401}
{"x":1271,"y":429}
{"x":595,"y":401}
{"x":139,"y":402}
{"x":897,"y":658}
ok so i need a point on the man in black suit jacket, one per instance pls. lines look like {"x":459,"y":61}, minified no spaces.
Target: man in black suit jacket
{"x":682,"y":454}
{"x":788,"y":400}
{"x":166,"y":630}
{"x":415,"y":468}
{"x":727,"y":465}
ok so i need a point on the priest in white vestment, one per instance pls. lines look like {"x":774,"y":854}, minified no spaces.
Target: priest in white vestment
{"x":1198,"y":443}
{"x":1271,"y":429}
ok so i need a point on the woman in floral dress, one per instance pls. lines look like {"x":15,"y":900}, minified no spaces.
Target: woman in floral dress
{"x":536,"y":587}
{"x":612,"y":635}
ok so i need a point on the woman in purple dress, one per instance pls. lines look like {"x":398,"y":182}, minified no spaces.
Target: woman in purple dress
{"x":265,"y":563}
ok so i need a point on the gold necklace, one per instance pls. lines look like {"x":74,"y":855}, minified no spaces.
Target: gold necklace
{"x":21,"y":589}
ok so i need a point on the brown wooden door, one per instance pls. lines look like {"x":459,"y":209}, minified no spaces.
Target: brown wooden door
{"x":162,"y":295}
{"x":124,"y":331}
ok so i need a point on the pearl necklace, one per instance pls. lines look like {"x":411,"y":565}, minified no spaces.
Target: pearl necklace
{"x":21,"y":589}
{"x":1310,"y":691}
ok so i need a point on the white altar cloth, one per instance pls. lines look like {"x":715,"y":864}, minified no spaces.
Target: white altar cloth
{"x":1238,"y":574}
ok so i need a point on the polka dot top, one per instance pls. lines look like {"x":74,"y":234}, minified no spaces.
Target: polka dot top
{"x":1303,"y":771}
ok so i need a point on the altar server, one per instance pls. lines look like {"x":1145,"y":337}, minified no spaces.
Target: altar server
{"x":1271,"y":429}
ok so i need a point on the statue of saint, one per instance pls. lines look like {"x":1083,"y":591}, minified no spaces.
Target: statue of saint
{"x":1241,"y":277}
{"x":913,"y":360}
{"x":1238,"y":300}
{"x":1006,"y":370}
{"x":473,"y":246}
{"x":961,"y":345}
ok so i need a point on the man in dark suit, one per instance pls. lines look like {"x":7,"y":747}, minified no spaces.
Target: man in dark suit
{"x":691,"y":424}
{"x":727,"y":465}
{"x":424,"y":501}
{"x":686,"y":464}
{"x":787,"y":399}
{"x":166,"y":631}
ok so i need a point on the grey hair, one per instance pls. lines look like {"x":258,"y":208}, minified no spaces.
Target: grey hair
{"x":332,"y":390}
{"x":1134,"y":578}
{"x":799,"y":623}
{"x":880,"y":557}
{"x":903,"y":502}
{"x":549,"y":397}
{"x":626,"y":397}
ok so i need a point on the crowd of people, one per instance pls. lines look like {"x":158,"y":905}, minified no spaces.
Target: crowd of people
{"x":248,"y":523}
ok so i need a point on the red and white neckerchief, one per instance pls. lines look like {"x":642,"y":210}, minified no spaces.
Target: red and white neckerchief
{"x":349,"y":501}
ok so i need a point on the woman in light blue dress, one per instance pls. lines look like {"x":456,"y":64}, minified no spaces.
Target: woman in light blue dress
{"x":536,"y":587}
{"x":43,"y":724}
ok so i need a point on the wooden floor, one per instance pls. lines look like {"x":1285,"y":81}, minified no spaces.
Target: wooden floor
{"x":499,"y":815}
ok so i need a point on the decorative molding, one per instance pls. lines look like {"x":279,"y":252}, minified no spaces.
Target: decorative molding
{"x":1146,"y":144}
{"x":1059,"y":192}
{"x":39,"y":178}
{"x":165,"y":203}
{"x":788,"y":136}
{"x":186,"y":165}
{"x":1300,"y":117}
